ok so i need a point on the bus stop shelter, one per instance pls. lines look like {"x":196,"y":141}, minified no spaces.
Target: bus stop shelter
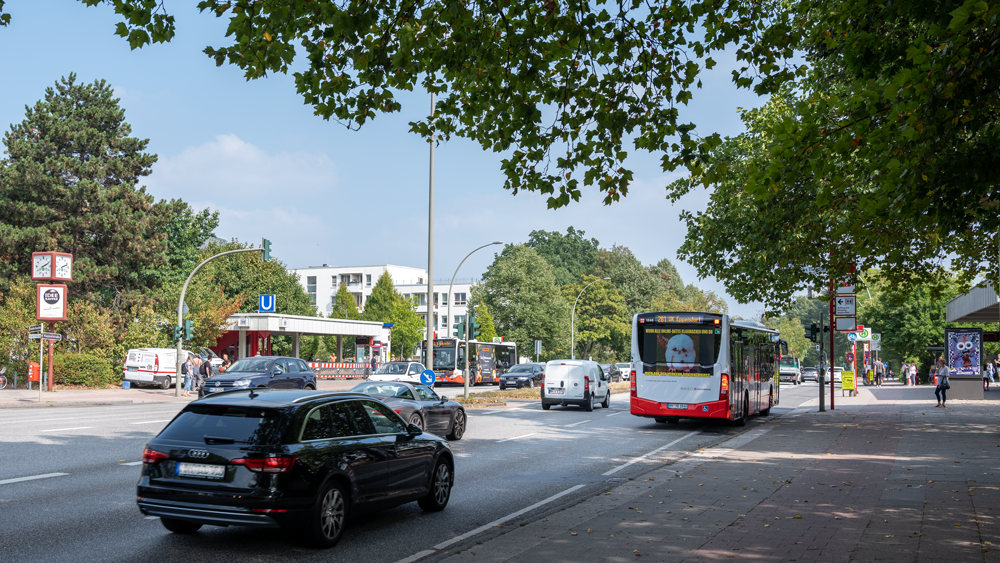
{"x":250,"y":333}
{"x":979,"y":305}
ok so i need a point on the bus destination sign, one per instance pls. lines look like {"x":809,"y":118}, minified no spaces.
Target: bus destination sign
{"x":677,"y":318}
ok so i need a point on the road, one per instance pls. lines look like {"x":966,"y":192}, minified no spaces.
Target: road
{"x":509,"y":460}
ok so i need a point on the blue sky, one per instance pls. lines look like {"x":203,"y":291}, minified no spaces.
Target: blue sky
{"x":322,"y":193}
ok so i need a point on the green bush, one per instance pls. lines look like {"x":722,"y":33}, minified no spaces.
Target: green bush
{"x":84,"y":369}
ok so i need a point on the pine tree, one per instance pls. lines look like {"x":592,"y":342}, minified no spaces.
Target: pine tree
{"x":70,"y":185}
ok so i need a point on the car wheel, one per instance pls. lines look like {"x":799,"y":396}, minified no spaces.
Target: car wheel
{"x":165,"y":384}
{"x":415,"y":419}
{"x":329,"y":516}
{"x":458,"y":429}
{"x":310,"y":388}
{"x":546,"y":406}
{"x":607,"y":400}
{"x":503,"y":387}
{"x":437,"y":498}
{"x":531,"y":384}
{"x":180,"y":526}
{"x":589,"y":407}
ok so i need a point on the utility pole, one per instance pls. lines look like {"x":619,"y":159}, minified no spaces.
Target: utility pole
{"x":430,"y":254}
{"x":822,"y":406}
{"x":833,"y":298}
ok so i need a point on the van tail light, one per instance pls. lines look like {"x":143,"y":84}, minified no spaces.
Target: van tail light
{"x":156,"y":363}
{"x":150,"y":457}
{"x":586,"y":382}
{"x":724,"y":388}
{"x":278,"y":464}
{"x":631,"y":380}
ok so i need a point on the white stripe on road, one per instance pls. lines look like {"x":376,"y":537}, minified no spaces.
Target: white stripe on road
{"x":149,"y":421}
{"x":132,"y":463}
{"x":615,"y":414}
{"x":577,"y":423}
{"x":32,"y":478}
{"x":511,"y":516}
{"x":656,"y":451}
{"x":517,"y":437}
{"x":417,"y":555}
{"x":64,"y":429}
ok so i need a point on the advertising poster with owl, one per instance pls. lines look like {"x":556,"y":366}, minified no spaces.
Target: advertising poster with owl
{"x":965,"y":351}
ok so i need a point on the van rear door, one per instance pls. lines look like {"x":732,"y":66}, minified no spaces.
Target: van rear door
{"x":566,"y":375}
{"x":139,"y":365}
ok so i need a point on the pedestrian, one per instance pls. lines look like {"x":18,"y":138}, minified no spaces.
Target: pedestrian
{"x":878,"y":374}
{"x":204,"y":373}
{"x":196,"y":374}
{"x":187,"y":369}
{"x":374,"y":363}
{"x":225,"y":362}
{"x":990,"y":372}
{"x":943,"y":383}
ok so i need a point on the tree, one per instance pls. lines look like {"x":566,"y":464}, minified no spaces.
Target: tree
{"x":521,"y":294}
{"x":70,"y":185}
{"x":387,"y":305}
{"x":637,"y":284}
{"x":602,"y":319}
{"x":483,"y":317}
{"x":792,"y":330}
{"x":570,"y":255}
{"x":345,"y":306}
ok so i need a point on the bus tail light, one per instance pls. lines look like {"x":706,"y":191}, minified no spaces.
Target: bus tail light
{"x":631,"y":379}
{"x":724,"y":388}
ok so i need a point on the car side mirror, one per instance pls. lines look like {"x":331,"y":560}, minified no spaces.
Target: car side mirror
{"x":443,"y":398}
{"x":413,"y":430}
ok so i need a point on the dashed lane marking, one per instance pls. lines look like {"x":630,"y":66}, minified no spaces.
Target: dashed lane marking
{"x":517,"y":437}
{"x":31,"y":478}
{"x":65,"y":429}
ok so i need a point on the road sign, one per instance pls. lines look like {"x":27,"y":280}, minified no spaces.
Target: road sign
{"x":852,"y":336}
{"x":497,"y":339}
{"x":267,"y":304}
{"x":846,"y":305}
{"x":846,"y":288}
{"x":850,"y":357}
{"x":877,"y":345}
{"x":865,"y":334}
{"x":35,"y":336}
{"x":51,"y":336}
{"x":846,"y":324}
{"x":847,"y":380}
{"x":35,"y":328}
{"x":538,"y":346}
{"x":427,"y":377}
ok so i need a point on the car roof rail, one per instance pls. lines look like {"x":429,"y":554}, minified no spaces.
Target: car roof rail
{"x":329,"y":394}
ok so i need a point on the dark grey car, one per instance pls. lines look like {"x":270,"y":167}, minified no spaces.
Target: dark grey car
{"x":273,"y":372}
{"x":418,"y":404}
{"x":523,"y":375}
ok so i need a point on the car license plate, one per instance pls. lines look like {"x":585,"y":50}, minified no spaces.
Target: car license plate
{"x":556,"y":391}
{"x":200,"y":470}
{"x":677,"y":406}
{"x":133,"y":368}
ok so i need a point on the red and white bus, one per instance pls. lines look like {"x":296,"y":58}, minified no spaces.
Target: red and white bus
{"x":702,"y":365}
{"x":487,"y":360}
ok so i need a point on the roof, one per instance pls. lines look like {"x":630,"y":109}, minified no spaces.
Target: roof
{"x":272,"y":398}
{"x":276,"y":322}
{"x":979,"y":305}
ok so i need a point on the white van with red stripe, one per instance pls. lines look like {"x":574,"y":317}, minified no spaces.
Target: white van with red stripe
{"x":152,"y":366}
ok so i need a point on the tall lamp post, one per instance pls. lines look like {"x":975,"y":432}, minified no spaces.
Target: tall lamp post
{"x":572,"y":319}
{"x":451,"y":319}
{"x":430,"y":253}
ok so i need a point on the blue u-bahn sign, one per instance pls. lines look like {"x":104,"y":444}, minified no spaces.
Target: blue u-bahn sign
{"x":267,"y":304}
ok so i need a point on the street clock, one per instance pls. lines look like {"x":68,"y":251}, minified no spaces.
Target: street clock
{"x":51,"y":266}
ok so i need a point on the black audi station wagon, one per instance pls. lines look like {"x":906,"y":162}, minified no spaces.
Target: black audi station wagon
{"x":293,"y":459}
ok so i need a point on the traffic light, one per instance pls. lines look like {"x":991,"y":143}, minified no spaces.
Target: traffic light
{"x":266,"y":245}
{"x":474,"y":328}
{"x":178,"y":333}
{"x":812,"y":332}
{"x":459,"y":330}
{"x":188,"y":330}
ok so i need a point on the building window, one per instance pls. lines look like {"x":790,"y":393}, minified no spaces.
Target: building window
{"x":459,"y":299}
{"x":460,"y":319}
{"x":312,"y":298}
{"x":423,"y":299}
{"x":357,"y":300}
{"x":435,"y":299}
{"x":311,"y":284}
{"x":368,"y":280}
{"x":420,"y":280}
{"x":444,"y":321}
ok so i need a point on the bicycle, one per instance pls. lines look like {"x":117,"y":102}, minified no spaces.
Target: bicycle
{"x":3,"y":378}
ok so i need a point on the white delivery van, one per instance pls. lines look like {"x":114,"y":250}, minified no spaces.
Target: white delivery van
{"x":152,"y":366}
{"x":575,"y":382}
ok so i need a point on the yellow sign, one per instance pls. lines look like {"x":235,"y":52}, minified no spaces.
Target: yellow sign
{"x":847,"y":380}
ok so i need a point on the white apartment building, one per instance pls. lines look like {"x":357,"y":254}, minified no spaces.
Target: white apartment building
{"x":322,"y":282}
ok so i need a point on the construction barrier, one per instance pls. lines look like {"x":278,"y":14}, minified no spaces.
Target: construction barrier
{"x":330,"y":370}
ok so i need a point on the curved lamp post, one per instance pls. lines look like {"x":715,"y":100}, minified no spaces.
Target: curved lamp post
{"x":451,"y":319}
{"x":572,"y":320}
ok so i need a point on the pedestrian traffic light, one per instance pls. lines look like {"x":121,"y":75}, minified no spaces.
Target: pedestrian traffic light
{"x":266,"y":245}
{"x":459,"y":330}
{"x":188,"y":330}
{"x":178,"y":333}
{"x":474,"y":328}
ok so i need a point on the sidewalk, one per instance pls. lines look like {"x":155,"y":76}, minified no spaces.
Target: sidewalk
{"x":884,"y":477}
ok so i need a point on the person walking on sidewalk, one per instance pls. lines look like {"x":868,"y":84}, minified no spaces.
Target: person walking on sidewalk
{"x":879,"y":373}
{"x":943,"y":384}
{"x":187,"y":370}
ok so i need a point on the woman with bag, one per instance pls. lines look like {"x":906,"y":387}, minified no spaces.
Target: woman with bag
{"x":943,"y":384}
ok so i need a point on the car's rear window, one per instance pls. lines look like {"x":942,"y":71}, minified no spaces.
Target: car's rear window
{"x":243,"y":425}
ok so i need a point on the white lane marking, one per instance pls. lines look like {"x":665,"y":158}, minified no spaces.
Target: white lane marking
{"x":615,"y":414}
{"x":149,"y":421}
{"x":656,"y":451}
{"x":511,"y":516}
{"x":517,"y":437}
{"x":417,"y":555}
{"x":64,"y":429}
{"x":577,"y":423}
{"x":132,"y":463}
{"x":32,"y":478}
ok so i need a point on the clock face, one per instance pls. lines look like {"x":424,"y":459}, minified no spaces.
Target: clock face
{"x":42,"y":266}
{"x":64,"y":267}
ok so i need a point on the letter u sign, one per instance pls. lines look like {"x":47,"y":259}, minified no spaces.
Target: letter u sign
{"x":267,"y":304}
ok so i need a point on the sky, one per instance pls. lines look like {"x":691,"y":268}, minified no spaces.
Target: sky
{"x":321,"y":193}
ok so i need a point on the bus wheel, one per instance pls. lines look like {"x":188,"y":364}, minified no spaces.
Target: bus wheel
{"x":742,"y":420}
{"x":660,"y":419}
{"x":674,"y":420}
{"x":770,"y":403}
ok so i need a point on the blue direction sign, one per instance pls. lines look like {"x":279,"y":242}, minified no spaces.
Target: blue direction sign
{"x":852,"y":336}
{"x":427,"y":377}
{"x":267,"y":304}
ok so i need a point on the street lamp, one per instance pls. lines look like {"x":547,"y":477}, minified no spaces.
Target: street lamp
{"x":451,"y":319}
{"x":572,"y":319}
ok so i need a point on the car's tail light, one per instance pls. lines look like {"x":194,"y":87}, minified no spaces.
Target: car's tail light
{"x":152,"y":456}
{"x":397,"y":411}
{"x":631,"y":380}
{"x":586,"y":382}
{"x":278,"y":464}
{"x":724,"y":388}
{"x":268,"y":510}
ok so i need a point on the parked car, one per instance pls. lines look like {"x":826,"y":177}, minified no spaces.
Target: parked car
{"x":419,"y":404}
{"x":789,"y":370}
{"x":523,"y":375}
{"x":575,"y":382}
{"x":624,"y":371}
{"x":276,"y":458}
{"x":152,"y":366}
{"x":274,"y":372}
{"x":398,"y":371}
{"x":837,"y":370}
{"x":810,"y":374}
{"x":606,"y":368}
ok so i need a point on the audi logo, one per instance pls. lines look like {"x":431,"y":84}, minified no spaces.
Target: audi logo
{"x":198,"y":454}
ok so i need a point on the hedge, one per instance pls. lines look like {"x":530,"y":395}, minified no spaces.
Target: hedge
{"x":84,"y":369}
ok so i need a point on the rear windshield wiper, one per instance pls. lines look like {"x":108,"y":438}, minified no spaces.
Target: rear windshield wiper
{"x":218,"y":440}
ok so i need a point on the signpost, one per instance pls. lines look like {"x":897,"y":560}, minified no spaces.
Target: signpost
{"x":427,"y":377}
{"x":846,"y":306}
{"x":538,"y":349}
{"x":267,"y":304}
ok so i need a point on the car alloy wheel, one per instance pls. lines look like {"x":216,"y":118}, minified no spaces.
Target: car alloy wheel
{"x":328,"y":521}
{"x":415,"y":419}
{"x":437,"y":498}
{"x":458,"y":429}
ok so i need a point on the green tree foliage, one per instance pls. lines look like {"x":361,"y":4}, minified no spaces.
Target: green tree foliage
{"x":386,"y":305}
{"x":483,"y":317}
{"x":17,"y":313}
{"x":635,"y":281}
{"x":69,"y":184}
{"x":791,"y":330}
{"x":570,"y":255}
{"x":186,"y":233}
{"x":602,"y":320}
{"x":521,"y":294}
{"x":344,"y":305}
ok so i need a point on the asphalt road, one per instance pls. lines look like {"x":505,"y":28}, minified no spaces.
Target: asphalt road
{"x":510,"y":459}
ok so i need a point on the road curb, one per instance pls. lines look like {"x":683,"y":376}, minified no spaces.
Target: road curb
{"x":44,"y":404}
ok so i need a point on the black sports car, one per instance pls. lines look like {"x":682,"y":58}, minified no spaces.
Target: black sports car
{"x":419,"y":404}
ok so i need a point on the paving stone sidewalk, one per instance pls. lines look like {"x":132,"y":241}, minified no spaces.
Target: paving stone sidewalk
{"x":884,"y":477}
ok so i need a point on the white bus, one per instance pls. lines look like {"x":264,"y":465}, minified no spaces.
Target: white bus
{"x":701,"y":365}
{"x":487,"y":360}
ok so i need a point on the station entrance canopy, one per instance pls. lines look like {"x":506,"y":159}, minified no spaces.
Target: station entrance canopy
{"x":250,"y":333}
{"x":979,"y":305}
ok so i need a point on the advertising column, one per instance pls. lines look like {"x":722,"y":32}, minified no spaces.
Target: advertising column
{"x":964,"y":349}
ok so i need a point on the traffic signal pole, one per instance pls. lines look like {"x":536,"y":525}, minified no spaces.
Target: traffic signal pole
{"x":833,"y":298}
{"x":822,"y":406}
{"x":265,"y":248}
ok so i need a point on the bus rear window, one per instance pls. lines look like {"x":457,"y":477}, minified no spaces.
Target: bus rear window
{"x":667,"y":348}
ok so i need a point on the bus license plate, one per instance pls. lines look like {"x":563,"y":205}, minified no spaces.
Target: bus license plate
{"x":201,"y":470}
{"x":682,"y":406}
{"x":556,"y":391}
